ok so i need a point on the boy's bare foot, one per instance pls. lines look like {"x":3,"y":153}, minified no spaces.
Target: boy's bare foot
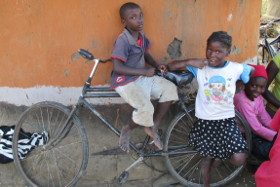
{"x":124,"y":140}
{"x":153,"y":134}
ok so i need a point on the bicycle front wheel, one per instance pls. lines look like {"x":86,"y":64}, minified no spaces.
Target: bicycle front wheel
{"x":185,"y":167}
{"x":48,"y":151}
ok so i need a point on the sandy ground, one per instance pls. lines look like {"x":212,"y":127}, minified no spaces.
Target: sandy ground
{"x":103,"y":170}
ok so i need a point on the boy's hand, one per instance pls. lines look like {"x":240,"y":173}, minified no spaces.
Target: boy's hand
{"x":149,"y":72}
{"x":162,"y":68}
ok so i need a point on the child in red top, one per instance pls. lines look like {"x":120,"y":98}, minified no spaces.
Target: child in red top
{"x":268,"y":173}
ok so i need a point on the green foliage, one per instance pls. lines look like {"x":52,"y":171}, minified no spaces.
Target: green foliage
{"x":264,"y":6}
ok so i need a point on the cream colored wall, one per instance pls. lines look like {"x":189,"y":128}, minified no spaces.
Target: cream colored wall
{"x":39,"y":39}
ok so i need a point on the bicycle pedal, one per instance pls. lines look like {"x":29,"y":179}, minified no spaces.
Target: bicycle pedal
{"x":123,"y":177}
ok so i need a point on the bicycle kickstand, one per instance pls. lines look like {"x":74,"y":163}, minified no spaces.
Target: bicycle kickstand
{"x":124,"y":175}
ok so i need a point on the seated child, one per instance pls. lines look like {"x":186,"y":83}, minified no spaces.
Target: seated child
{"x":249,"y":102}
{"x":134,"y":82}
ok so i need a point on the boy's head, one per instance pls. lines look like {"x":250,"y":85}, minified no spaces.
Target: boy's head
{"x":257,"y":84}
{"x":127,"y":6}
{"x":132,"y":16}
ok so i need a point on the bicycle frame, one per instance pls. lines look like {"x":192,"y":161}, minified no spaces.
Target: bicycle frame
{"x":60,"y":160}
{"x":98,"y":92}
{"x":267,"y":44}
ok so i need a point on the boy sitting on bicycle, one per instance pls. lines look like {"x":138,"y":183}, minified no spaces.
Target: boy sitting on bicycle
{"x":134,"y":82}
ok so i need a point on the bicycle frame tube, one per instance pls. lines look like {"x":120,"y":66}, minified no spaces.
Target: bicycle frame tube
{"x":83,"y":101}
{"x":105,"y":121}
{"x":64,"y":130}
{"x":269,"y":48}
{"x":98,"y":92}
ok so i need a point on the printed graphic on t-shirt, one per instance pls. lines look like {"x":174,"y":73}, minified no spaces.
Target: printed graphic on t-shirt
{"x":216,"y":91}
{"x":120,"y":79}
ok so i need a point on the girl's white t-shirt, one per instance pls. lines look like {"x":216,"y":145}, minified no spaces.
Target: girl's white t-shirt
{"x":216,"y":89}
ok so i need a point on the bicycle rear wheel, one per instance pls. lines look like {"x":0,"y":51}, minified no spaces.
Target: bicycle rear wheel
{"x":58,"y":164}
{"x":186,"y":167}
{"x":263,"y":55}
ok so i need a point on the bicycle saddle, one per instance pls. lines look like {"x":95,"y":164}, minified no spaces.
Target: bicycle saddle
{"x":180,"y":78}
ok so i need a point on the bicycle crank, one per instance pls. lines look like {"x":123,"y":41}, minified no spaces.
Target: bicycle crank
{"x":124,"y":175}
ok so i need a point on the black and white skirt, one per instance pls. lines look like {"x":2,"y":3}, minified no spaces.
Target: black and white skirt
{"x":27,"y":142}
{"x":217,"y":138}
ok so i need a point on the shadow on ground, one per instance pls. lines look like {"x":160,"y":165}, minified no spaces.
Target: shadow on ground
{"x":105,"y":166}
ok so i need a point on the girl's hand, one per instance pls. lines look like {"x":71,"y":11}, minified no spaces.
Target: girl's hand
{"x":199,"y":63}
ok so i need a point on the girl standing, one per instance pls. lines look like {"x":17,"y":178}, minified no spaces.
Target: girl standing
{"x":215,"y":134}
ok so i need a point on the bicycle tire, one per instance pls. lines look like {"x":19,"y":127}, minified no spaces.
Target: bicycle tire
{"x":186,"y":167}
{"x":61,"y":164}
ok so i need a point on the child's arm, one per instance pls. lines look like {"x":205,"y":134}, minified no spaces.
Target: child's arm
{"x":272,"y":70}
{"x":120,"y":68}
{"x":247,"y":111}
{"x":150,"y":60}
{"x":181,"y":64}
{"x":247,"y":73}
{"x":263,"y":115}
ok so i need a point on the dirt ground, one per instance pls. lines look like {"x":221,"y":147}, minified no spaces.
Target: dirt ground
{"x":104,"y":169}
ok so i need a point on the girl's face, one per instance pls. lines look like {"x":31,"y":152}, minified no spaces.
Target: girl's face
{"x":134,"y":19}
{"x":216,"y":54}
{"x":255,"y":87}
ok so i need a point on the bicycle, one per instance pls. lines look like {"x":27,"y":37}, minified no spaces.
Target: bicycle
{"x":63,"y":159}
{"x":267,"y":48}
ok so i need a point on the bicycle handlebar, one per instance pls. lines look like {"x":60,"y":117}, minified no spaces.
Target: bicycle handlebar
{"x":269,"y":23}
{"x":87,"y":55}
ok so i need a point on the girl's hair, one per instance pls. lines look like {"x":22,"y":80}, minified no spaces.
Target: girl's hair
{"x":222,"y":37}
{"x":126,"y":6}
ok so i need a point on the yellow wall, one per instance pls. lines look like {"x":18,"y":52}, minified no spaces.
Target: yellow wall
{"x":39,"y":37}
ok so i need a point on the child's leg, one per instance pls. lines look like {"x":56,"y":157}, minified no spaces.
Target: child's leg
{"x":142,"y":114}
{"x":125,"y":136}
{"x":166,"y":93}
{"x":206,"y":165}
{"x":158,"y":115}
{"x":238,"y":159}
{"x":161,"y":110}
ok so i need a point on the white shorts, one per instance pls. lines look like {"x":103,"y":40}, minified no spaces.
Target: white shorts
{"x":139,"y":94}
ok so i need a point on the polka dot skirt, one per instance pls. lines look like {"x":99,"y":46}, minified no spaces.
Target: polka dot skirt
{"x":217,"y":138}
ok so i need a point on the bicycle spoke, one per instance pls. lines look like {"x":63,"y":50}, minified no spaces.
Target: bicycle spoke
{"x":186,"y":125}
{"x":192,"y":171}
{"x":52,"y":164}
{"x":177,"y":147}
{"x":178,"y":141}
{"x":57,"y":169}
{"x":179,"y":159}
{"x":186,"y":162}
{"x":181,"y":132}
{"x":186,"y":166}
